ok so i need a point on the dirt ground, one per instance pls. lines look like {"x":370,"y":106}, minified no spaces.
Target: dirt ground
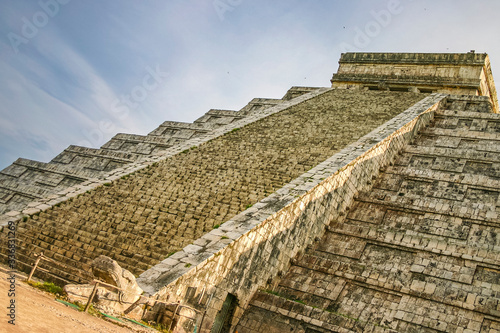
{"x":38,"y":312}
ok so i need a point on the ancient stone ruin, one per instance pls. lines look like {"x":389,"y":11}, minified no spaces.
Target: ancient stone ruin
{"x":369,"y":206}
{"x":107,"y":298}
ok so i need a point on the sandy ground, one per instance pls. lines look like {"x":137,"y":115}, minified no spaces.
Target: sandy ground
{"x":38,"y":312}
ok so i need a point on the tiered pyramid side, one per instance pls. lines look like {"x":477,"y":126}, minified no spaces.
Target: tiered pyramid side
{"x":142,"y":218}
{"x":28,"y":181}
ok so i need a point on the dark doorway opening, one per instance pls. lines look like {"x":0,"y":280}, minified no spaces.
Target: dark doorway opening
{"x":222,"y":322}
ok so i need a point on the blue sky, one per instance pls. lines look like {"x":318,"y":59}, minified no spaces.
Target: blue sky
{"x":78,"y":72}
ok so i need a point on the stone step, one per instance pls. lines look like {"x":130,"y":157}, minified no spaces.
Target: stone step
{"x":395,"y":232}
{"x":389,"y":267}
{"x":14,"y":201}
{"x":174,"y":129}
{"x":480,"y":104}
{"x":471,"y":174}
{"x":258,"y":104}
{"x":21,"y":165}
{"x":473,"y":124}
{"x":140,"y":144}
{"x":160,"y":139}
{"x":454,"y":153}
{"x":342,"y":245}
{"x":395,"y":268}
{"x":83,"y":153}
{"x":220,"y":117}
{"x":99,"y":160}
{"x":445,"y":141}
{"x":437,"y":278}
{"x":471,"y":210}
{"x":26,"y":180}
{"x":461,"y":133}
{"x":420,"y":315}
{"x":35,"y":179}
{"x":472,"y":115}
{"x":119,"y":156}
{"x":314,"y":318}
{"x":15,"y":192}
{"x":296,"y":91}
{"x":36,"y":188}
{"x":314,"y":287}
{"x":475,"y":189}
{"x":369,"y":215}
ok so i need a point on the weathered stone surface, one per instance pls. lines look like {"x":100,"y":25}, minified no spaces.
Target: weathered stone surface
{"x":417,"y":250}
{"x":80,"y":293}
{"x":108,"y":299}
{"x":416,"y":253}
{"x":108,"y":270}
{"x":140,"y":219}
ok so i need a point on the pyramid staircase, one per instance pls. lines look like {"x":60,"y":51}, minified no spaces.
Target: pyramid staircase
{"x":419,"y":252}
{"x":26,"y":181}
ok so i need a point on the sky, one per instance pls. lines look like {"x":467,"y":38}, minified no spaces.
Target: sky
{"x":78,"y":72}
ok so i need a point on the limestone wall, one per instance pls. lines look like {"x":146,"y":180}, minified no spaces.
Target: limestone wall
{"x":260,"y":242}
{"x":488,"y":85}
{"x":140,"y":219}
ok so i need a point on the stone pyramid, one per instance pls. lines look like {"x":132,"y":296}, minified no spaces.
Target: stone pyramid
{"x":369,"y":206}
